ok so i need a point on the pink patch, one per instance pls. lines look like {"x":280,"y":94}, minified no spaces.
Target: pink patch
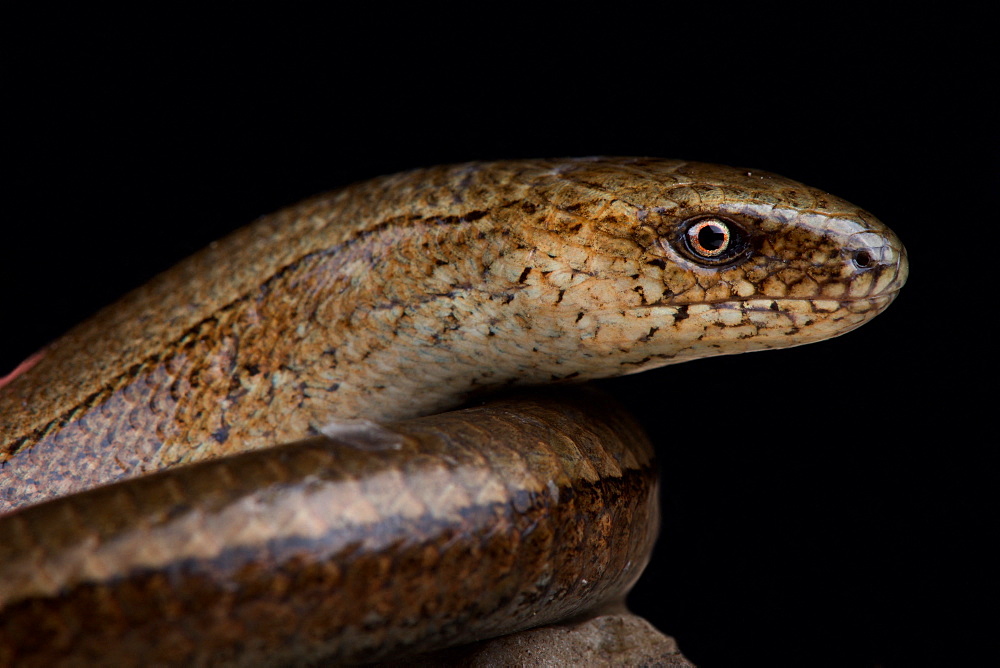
{"x":22,"y":367}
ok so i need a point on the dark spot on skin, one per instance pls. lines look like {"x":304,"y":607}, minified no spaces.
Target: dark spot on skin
{"x":507,"y":298}
{"x":333,"y":388}
{"x":527,"y":207}
{"x":439,"y":263}
{"x":491,"y":333}
{"x":638,"y":289}
{"x":473,"y":215}
{"x":16,"y":446}
{"x":579,"y":316}
{"x":658,"y":263}
{"x":774,"y":306}
{"x":576,"y":228}
{"x":524,"y":275}
{"x":252,"y":369}
{"x":236,"y":390}
{"x":648,"y":336}
{"x":560,"y":297}
{"x":175,"y":390}
{"x":572,"y":207}
{"x":682,"y":313}
{"x":220,"y":435}
{"x":633,"y":276}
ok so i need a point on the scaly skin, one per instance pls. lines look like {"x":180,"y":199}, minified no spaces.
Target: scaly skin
{"x":404,"y":295}
{"x":456,"y":527}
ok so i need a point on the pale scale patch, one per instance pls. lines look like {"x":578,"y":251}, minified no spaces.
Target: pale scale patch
{"x":826,"y":305}
{"x":861,"y":285}
{"x":362,"y":434}
{"x":744,"y":288}
{"x":729,"y":317}
{"x":884,"y":279}
{"x":834,"y":290}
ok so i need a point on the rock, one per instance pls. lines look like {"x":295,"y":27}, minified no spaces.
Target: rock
{"x":613,"y":639}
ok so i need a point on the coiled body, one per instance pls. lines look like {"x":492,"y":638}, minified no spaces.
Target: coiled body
{"x":449,"y":533}
{"x":409,"y":294}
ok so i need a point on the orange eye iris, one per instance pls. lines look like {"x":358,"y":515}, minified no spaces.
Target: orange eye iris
{"x":713,"y":241}
{"x":709,"y":238}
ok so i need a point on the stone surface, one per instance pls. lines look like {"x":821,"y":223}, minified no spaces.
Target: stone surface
{"x":612,"y":639}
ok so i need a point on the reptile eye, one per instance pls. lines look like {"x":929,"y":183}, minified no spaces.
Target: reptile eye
{"x":714,"y":241}
{"x":709,"y":238}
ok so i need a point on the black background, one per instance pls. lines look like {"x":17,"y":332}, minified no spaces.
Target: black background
{"x":825,"y":505}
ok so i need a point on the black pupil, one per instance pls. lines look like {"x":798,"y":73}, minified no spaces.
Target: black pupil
{"x":711,"y":237}
{"x":862,"y":258}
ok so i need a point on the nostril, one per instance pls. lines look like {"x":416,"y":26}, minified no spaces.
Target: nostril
{"x":863,"y":259}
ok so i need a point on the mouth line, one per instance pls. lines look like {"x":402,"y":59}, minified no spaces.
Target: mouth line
{"x":732,"y":303}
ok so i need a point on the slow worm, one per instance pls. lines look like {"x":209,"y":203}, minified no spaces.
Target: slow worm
{"x":353,"y":314}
